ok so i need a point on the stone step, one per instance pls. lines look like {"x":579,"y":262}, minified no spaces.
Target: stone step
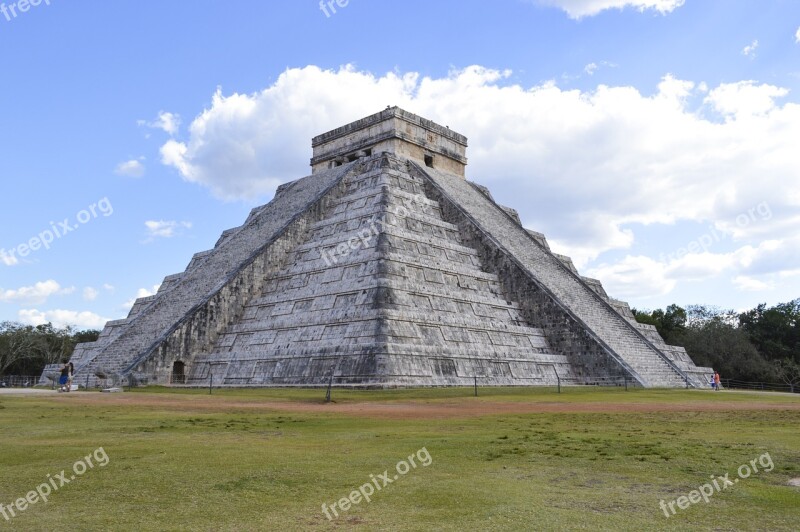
{"x":544,"y":268}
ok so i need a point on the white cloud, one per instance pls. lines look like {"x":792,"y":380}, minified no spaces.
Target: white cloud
{"x":165,"y":229}
{"x":108,"y":288}
{"x":230,"y":148}
{"x":750,"y":49}
{"x":749,"y":284}
{"x":640,"y":276}
{"x":577,"y":9}
{"x":744,"y":98}
{"x":36,"y":294}
{"x":132,"y":168}
{"x":634,"y":276}
{"x":89,"y":293}
{"x":167,"y":122}
{"x":590,"y":164}
{"x":593,"y":67}
{"x":142,"y":292}
{"x":797,"y":36}
{"x":62,"y":318}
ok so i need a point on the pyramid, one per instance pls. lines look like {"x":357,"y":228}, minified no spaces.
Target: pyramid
{"x":384,"y":267}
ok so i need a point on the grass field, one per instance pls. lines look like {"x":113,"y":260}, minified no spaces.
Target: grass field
{"x":511,"y":459}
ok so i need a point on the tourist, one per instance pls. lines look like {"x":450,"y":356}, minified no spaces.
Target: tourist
{"x":712,"y":383}
{"x":62,"y":381}
{"x":716,"y":380}
{"x":69,"y":376}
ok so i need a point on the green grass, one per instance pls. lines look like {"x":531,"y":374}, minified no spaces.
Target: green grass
{"x":235,"y":468}
{"x":540,"y":394}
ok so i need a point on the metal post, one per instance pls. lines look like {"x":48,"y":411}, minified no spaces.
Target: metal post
{"x":330,"y":384}
{"x":476,"y":385}
{"x":210,"y":381}
{"x":626,"y":381}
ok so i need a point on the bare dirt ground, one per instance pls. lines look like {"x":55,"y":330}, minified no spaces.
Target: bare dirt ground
{"x":27,"y":391}
{"x":439,"y":409}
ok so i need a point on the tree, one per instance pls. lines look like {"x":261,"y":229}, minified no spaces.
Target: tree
{"x":712,"y":337}
{"x":789,"y":372}
{"x":776,"y":330}
{"x":670,"y":323}
{"x":17,"y":342}
{"x":53,"y":345}
{"x":721,"y":345}
{"x":700,"y":314}
{"x":26,"y":350}
{"x":89,"y":335}
{"x":644,"y":316}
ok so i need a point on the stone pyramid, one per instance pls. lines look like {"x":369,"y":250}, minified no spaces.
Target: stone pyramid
{"x":385,"y":267}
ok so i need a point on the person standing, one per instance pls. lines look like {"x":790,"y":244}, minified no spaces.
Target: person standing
{"x":69,"y":376}
{"x":716,"y":380}
{"x":62,"y":380}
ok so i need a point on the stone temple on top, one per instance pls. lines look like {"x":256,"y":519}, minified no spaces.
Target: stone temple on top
{"x":384,"y":267}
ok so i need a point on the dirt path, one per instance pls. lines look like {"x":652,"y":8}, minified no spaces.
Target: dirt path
{"x":27,"y":391}
{"x":467,"y":407}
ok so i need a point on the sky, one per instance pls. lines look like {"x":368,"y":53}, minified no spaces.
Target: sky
{"x":656,"y":142}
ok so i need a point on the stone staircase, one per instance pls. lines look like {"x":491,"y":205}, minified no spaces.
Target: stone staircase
{"x":206,"y":275}
{"x":617,"y":335}
{"x":406,"y":304}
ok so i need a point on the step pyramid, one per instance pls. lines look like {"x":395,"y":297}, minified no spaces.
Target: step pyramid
{"x":385,"y":267}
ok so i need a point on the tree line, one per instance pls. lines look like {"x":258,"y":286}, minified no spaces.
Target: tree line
{"x":27,"y":349}
{"x":759,"y":345}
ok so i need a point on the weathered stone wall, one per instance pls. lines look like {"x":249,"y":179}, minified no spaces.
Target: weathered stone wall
{"x":394,"y":131}
{"x":197,"y":334}
{"x":174,"y":308}
{"x":581,"y":302}
{"x":408,"y":304}
{"x":564,"y":333}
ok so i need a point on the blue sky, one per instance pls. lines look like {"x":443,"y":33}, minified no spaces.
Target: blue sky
{"x":654,"y":141}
